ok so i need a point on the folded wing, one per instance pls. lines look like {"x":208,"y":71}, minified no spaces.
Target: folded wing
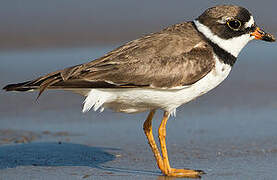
{"x":176,"y":56}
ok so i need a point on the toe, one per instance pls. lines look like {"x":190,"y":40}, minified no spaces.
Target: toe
{"x":185,"y":173}
{"x":200,"y":172}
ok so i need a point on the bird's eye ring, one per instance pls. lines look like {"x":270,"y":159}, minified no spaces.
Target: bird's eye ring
{"x":234,"y":24}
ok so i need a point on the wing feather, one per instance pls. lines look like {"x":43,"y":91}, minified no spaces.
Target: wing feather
{"x":175,"y":56}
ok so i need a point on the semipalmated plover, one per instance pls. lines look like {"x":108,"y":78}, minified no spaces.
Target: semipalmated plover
{"x":162,"y":70}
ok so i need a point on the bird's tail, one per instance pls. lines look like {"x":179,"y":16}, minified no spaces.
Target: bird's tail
{"x":39,"y":84}
{"x":63,"y":79}
{"x":25,"y":86}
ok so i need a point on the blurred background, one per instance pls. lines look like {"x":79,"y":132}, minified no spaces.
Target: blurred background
{"x":231,"y":130}
{"x":38,"y":37}
{"x":67,"y":23}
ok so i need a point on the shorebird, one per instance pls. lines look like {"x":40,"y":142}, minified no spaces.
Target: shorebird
{"x":162,"y":70}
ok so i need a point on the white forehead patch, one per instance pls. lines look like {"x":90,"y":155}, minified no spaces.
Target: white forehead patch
{"x":250,"y":23}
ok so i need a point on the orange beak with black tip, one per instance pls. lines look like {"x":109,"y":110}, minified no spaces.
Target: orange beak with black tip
{"x":261,"y":35}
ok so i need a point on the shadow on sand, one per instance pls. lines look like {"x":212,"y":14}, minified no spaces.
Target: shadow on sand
{"x":64,"y":154}
{"x":53,"y":154}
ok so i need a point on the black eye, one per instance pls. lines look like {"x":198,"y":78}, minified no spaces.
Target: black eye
{"x":234,"y":24}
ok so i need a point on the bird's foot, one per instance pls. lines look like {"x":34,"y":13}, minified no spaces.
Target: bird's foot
{"x":187,"y":173}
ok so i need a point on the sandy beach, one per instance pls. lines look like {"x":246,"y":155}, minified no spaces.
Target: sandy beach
{"x":230,"y":133}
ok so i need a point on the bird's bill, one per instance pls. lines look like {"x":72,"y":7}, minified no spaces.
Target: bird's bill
{"x":261,"y":35}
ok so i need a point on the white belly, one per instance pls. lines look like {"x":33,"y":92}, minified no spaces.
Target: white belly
{"x":131,"y":100}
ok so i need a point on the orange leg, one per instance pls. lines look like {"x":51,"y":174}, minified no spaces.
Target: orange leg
{"x":147,"y":127}
{"x":167,"y":170}
{"x":162,"y":161}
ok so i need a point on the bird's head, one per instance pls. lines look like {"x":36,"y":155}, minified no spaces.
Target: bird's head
{"x":231,"y":27}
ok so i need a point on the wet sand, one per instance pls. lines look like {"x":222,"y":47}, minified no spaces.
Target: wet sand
{"x":230,"y":133}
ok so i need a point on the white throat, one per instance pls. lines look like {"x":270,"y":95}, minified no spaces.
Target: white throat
{"x":233,"y":45}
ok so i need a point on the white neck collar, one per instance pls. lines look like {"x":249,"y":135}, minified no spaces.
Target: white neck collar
{"x":233,"y":45}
